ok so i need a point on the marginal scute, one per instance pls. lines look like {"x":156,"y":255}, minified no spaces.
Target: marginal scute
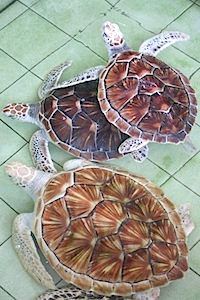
{"x":175,"y":273}
{"x":159,"y":280}
{"x":102,"y":288}
{"x":141,"y":286}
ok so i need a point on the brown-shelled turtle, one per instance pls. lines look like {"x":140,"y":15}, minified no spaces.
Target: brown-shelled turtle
{"x":69,"y":114}
{"x":106,"y":231}
{"x":143,"y":96}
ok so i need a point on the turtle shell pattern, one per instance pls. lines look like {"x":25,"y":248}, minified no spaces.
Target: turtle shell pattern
{"x":145,"y":98}
{"x":109,"y":231}
{"x":73,"y":120}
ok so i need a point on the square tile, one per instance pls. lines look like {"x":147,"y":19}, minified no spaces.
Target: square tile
{"x":11,"y":70}
{"x":11,"y":12}
{"x":191,"y":28}
{"x":189,"y":173}
{"x":146,"y":169}
{"x":10,"y":142}
{"x":172,"y":157}
{"x":7,"y":216}
{"x":179,"y":60}
{"x":153,"y":16}
{"x":179,"y":194}
{"x":184,"y":289}
{"x":81,"y":57}
{"x":69,"y":13}
{"x":31,"y":35}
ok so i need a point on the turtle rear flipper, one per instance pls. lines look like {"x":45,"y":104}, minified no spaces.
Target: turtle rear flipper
{"x":27,"y":252}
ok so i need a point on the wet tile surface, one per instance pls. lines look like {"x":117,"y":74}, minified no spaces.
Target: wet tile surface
{"x":37,"y":35}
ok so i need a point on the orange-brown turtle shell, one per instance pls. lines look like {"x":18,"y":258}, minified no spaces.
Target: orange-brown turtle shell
{"x":74,"y":121}
{"x":145,"y":98}
{"x":110,"y":231}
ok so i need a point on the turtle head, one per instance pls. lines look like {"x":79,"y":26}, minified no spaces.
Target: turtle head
{"x":22,"y":112}
{"x":113,"y":38}
{"x":28,"y":178}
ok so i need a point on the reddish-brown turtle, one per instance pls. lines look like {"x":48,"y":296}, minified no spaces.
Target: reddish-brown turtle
{"x":70,"y":117}
{"x":104,"y":230}
{"x":142,"y":96}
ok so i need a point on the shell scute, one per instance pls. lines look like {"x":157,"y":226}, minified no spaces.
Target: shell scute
{"x":134,"y":235}
{"x":93,"y":175}
{"x":122,"y":189}
{"x":163,"y":231}
{"x":107,"y":260}
{"x":108,"y":217}
{"x":135,"y":109}
{"x":57,"y":186}
{"x":55,"y":222}
{"x":146,"y":209}
{"x":76,"y":248}
{"x":136,"y":266}
{"x":163,"y":257}
{"x":81,"y":200}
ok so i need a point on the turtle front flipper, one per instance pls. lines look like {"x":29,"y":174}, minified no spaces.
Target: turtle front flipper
{"x":40,"y":152}
{"x":88,"y":75}
{"x":140,"y":154}
{"x":26,"y":250}
{"x":159,"y":42}
{"x":131,"y":144}
{"x":23,"y":112}
{"x":51,"y":79}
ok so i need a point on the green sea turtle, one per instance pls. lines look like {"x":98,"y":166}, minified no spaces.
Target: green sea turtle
{"x":106,"y":231}
{"x":142,"y":96}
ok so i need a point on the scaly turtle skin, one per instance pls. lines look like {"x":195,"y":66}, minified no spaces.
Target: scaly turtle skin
{"x":69,"y":114}
{"x":104,"y":230}
{"x":143,"y":96}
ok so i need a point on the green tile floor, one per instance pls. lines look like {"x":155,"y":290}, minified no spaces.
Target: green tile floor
{"x":35,"y":36}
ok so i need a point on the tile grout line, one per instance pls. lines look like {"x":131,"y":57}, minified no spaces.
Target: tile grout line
{"x":7,"y":293}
